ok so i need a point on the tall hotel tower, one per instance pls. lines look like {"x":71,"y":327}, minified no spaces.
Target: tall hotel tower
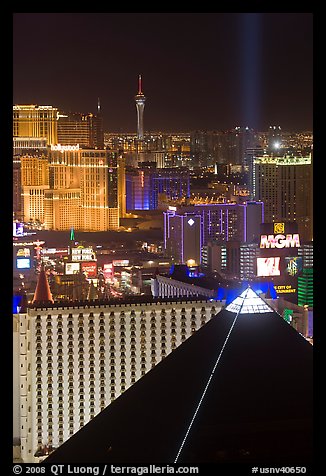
{"x":140,"y":104}
{"x":285,"y":185}
{"x":36,"y":121}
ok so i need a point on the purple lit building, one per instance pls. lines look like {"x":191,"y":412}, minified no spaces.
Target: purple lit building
{"x":219,"y":223}
{"x":223,"y":222}
{"x":182,"y":237}
{"x":138,"y":190}
{"x":146,"y":183}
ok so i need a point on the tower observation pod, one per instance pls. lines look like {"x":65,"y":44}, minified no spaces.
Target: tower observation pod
{"x":140,"y":104}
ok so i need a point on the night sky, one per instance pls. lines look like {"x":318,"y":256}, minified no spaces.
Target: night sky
{"x":201,"y":71}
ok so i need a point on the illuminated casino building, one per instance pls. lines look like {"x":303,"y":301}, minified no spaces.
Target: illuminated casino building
{"x":305,"y":279}
{"x":84,"y":189}
{"x":30,"y":146}
{"x":16,"y":189}
{"x":36,"y":121}
{"x":220,"y":222}
{"x":31,"y":122}
{"x":278,"y":255}
{"x":34,"y":182}
{"x":81,"y":128}
{"x":138,"y":190}
{"x":34,"y":127}
{"x":72,"y":360}
{"x":183,"y":237}
{"x":280,"y":258}
{"x":285,"y":185}
{"x":146,"y":184}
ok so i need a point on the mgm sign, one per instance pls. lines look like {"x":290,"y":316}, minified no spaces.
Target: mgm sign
{"x":279,"y":239}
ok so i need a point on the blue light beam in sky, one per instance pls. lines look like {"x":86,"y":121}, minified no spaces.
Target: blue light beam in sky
{"x":250,"y":68}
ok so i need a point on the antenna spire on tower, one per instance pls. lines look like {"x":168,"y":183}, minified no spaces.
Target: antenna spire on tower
{"x":139,"y":85}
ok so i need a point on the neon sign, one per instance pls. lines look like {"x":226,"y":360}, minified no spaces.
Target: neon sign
{"x":82,"y":254}
{"x":285,"y":289}
{"x":120,"y":262}
{"x":279,"y":228}
{"x":280,"y":241}
{"x":64,"y":148}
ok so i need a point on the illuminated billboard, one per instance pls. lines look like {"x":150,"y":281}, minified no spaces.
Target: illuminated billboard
{"x":89,"y":269}
{"x":120,"y":262}
{"x":82,"y":254}
{"x":18,"y":229}
{"x":293,"y":265}
{"x":23,"y":252}
{"x":55,"y":251}
{"x":280,"y":241}
{"x":285,"y":289}
{"x":268,"y":266}
{"x":108,"y":271}
{"x":64,"y":148}
{"x":72,"y":268}
{"x":23,"y":263}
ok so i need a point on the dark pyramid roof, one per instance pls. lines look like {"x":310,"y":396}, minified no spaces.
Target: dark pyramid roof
{"x":239,"y":389}
{"x":42,"y":292}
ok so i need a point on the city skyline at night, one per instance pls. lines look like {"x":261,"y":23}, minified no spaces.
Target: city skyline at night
{"x":141,"y":234}
{"x":199,"y":70}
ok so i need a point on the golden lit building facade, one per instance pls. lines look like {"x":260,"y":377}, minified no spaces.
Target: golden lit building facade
{"x":74,"y":361}
{"x":62,"y":202}
{"x":73,"y":131}
{"x":62,"y":209}
{"x":34,"y":171}
{"x":74,"y":187}
{"x":83,"y":129}
{"x":36,"y":121}
{"x":17,"y":189}
{"x":99,"y":193}
{"x":83,"y":192}
{"x":34,"y":183}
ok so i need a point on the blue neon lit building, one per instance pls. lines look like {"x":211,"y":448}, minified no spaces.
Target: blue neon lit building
{"x":145,"y":184}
